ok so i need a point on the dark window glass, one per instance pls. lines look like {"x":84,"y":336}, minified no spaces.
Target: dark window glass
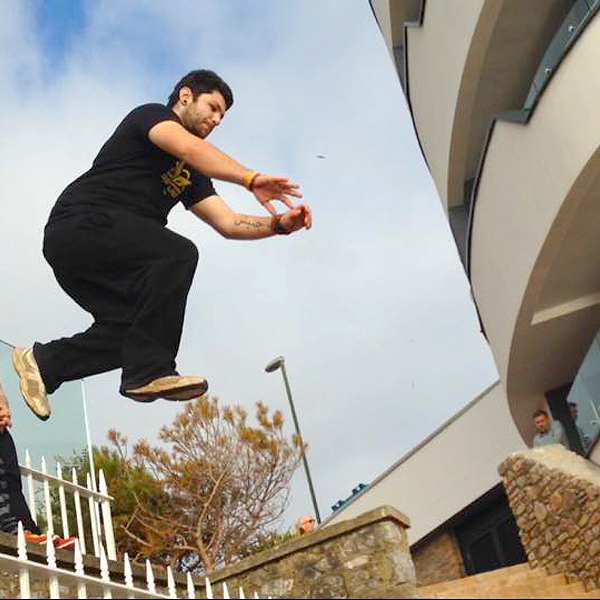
{"x":510,"y":543}
{"x":484,"y":554}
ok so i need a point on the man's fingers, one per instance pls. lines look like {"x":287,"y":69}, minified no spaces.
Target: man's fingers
{"x":307,"y":216}
{"x":267,"y":204}
{"x":293,"y":189}
{"x":279,"y":185}
{"x":308,"y":219}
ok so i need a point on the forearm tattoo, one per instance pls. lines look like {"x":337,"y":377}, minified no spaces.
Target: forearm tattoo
{"x":256,"y":224}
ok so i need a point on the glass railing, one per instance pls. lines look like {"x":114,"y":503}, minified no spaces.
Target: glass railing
{"x":574,"y":23}
{"x":585,"y":397}
{"x":60,"y":435}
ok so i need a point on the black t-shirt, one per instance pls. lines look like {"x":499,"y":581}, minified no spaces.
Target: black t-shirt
{"x":132,"y":174}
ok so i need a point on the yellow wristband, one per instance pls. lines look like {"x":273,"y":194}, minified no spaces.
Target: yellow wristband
{"x":249,"y":178}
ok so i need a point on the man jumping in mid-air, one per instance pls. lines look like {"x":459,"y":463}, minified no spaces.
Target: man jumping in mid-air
{"x":109,"y":248}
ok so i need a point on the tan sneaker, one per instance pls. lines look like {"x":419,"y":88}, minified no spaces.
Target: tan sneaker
{"x":170,"y":387}
{"x":31,"y":384}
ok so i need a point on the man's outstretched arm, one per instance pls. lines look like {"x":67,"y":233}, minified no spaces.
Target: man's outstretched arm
{"x":209,"y":160}
{"x":235,"y":226}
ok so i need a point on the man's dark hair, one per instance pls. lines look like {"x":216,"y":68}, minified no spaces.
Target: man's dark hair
{"x":539,"y":412}
{"x":201,"y":81}
{"x":573,"y":404}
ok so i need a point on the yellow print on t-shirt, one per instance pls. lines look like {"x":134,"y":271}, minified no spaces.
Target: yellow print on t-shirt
{"x":176,"y":179}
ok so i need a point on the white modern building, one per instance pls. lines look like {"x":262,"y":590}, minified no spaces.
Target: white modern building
{"x":504,"y":99}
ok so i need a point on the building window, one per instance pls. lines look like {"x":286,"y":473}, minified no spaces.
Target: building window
{"x":489,"y":538}
{"x":577,"y":405}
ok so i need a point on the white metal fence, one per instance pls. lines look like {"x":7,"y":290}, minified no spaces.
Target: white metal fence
{"x":98,"y":503}
{"x":76,"y":583}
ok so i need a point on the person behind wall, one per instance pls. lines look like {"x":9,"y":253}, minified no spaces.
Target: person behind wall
{"x":305,"y":524}
{"x":585,"y":440}
{"x":13,"y":507}
{"x":548,"y":431}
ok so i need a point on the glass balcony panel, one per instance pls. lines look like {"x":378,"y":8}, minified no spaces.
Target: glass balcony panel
{"x":585,"y":393}
{"x":577,"y":18}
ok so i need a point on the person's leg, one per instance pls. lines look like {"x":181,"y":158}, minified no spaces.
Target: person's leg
{"x":133,"y":276}
{"x":13,"y":507}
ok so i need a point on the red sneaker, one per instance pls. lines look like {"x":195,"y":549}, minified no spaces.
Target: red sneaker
{"x":63,"y":543}
{"x":35,"y":538}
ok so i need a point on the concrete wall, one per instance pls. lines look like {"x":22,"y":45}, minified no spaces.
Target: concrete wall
{"x":448,"y":471}
{"x":381,"y":8}
{"x":437,"y":54}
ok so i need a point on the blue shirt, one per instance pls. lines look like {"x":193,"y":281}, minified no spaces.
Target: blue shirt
{"x":554,"y":435}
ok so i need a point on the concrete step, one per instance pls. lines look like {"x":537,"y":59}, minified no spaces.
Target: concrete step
{"x":541,"y":590}
{"x":509,"y":583}
{"x":516,"y":573}
{"x":504,"y":571}
{"x":503,"y":588}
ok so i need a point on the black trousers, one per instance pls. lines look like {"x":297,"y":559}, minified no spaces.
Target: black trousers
{"x":133,"y":275}
{"x":13,"y":507}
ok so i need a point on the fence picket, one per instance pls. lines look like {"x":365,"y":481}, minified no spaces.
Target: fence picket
{"x":94,"y":525}
{"x":81,"y":587}
{"x":209,"y":593}
{"x":46,"y":486}
{"x":171,"y":583}
{"x":190,"y":587}
{"x":150,"y":577}
{"x":62,"y":502}
{"x":51,"y":558}
{"x":78,"y":513}
{"x":109,"y":535}
{"x":128,"y":574}
{"x":24,"y":586}
{"x":225,"y":591}
{"x":30,"y":490}
{"x":241,"y":594}
{"x":127,"y":571}
{"x":104,"y":572}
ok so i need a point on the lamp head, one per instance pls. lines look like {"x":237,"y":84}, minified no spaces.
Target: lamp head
{"x":275,"y":364}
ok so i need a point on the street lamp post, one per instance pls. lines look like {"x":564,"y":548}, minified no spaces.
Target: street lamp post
{"x":279,"y":363}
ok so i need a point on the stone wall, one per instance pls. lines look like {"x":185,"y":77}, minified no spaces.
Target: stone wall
{"x":366,"y":557}
{"x":555,"y":497}
{"x":437,"y":558}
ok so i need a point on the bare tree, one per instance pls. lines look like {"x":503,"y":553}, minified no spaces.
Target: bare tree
{"x":223,"y":484}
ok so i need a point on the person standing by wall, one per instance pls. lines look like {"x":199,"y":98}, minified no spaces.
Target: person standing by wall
{"x":13,"y":507}
{"x":548,"y":431}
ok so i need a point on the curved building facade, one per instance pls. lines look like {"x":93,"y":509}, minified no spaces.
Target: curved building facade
{"x":503,"y":96}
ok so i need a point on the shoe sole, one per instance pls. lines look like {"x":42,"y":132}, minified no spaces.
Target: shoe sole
{"x":66,"y":546}
{"x":181,"y":394}
{"x":21,"y":369}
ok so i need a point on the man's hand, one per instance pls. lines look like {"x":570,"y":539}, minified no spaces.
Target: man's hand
{"x":269,"y":187}
{"x":297,"y":218}
{"x":5,"y":420}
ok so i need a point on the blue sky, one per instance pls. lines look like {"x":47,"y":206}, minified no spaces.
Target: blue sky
{"x":371,"y":308}
{"x":57,"y":24}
